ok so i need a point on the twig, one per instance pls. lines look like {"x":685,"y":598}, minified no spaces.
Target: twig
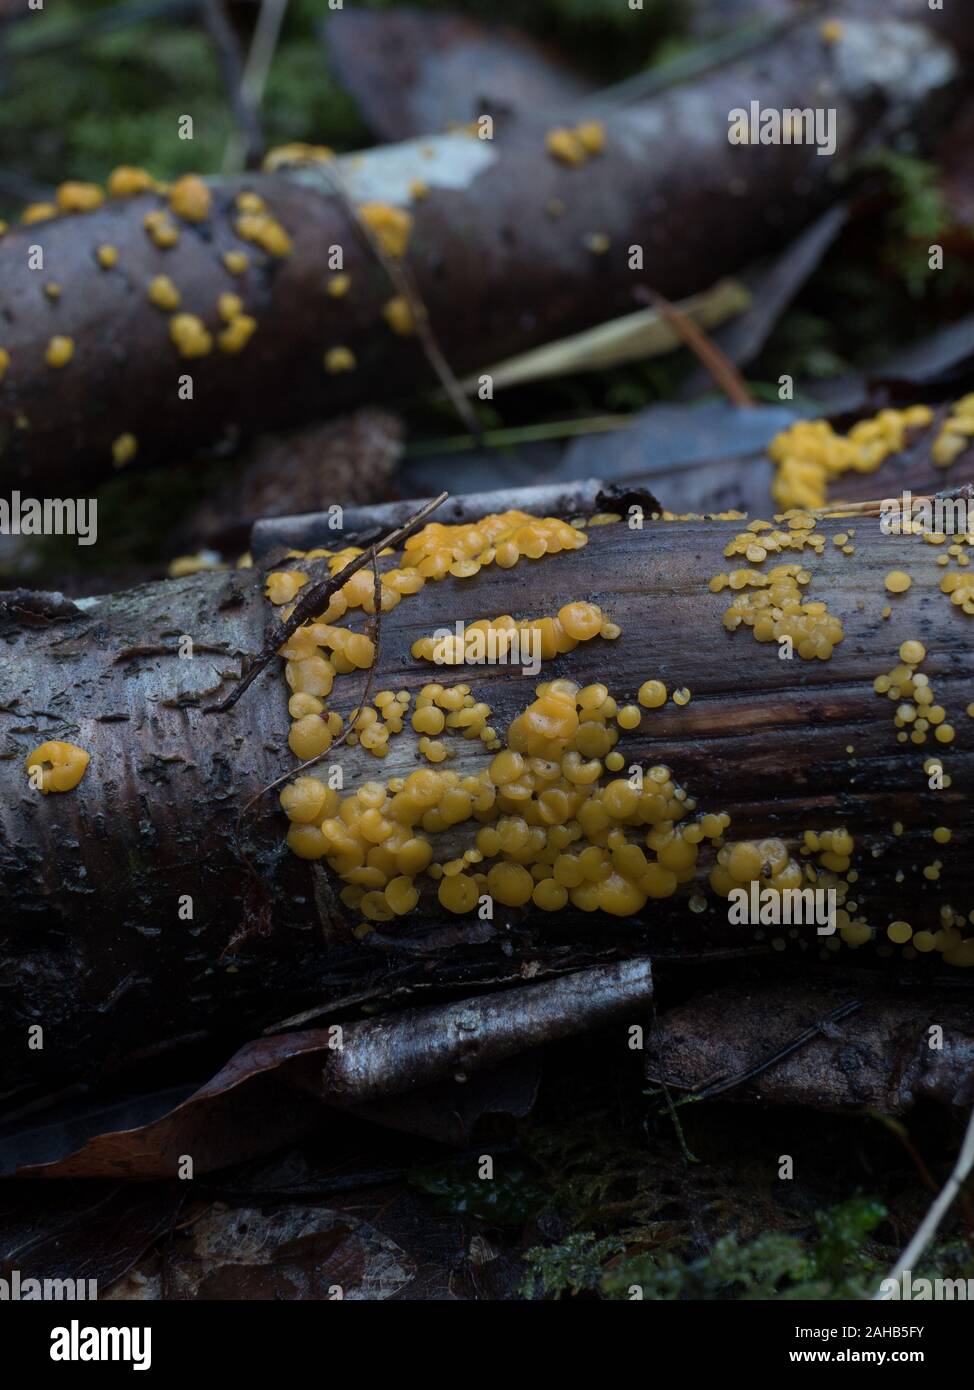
{"x":225,"y":41}
{"x":252,"y":84}
{"x":315,"y":600}
{"x":929,"y":1225}
{"x":731,"y":1083}
{"x":403,"y":282}
{"x":875,"y":506}
{"x":717,"y":363}
{"x":375,"y":634}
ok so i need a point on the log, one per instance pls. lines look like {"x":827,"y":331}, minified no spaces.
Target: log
{"x":93,"y":943}
{"x":496,"y":266}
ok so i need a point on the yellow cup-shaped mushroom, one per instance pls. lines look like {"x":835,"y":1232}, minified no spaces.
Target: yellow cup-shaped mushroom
{"x":61,"y":766}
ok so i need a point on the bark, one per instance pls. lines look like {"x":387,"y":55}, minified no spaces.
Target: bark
{"x":496,"y":270}
{"x":92,"y":945}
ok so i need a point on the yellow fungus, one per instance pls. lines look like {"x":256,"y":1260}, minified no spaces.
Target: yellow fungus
{"x":339,"y":359}
{"x":190,"y":199}
{"x":264,"y":231}
{"x":338,"y":286}
{"x":38,"y":212}
{"x":107,"y":256}
{"x":124,"y":450}
{"x":398,"y":314}
{"x":392,"y":227}
{"x":236,"y":261}
{"x":59,"y":352}
{"x":79,"y":197}
{"x":163,"y":293}
{"x":126,"y":181}
{"x":190,"y":335}
{"x":57,"y":765}
{"x":237,"y":334}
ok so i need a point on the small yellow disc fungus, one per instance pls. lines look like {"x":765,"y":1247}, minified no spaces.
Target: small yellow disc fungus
{"x":163,"y":293}
{"x":897,"y":582}
{"x":107,"y":256}
{"x":190,"y":335}
{"x":398,"y":314}
{"x":190,"y":199}
{"x":339,"y":359}
{"x":57,"y":766}
{"x":237,"y":334}
{"x":59,"y":352}
{"x":79,"y":197}
{"x":125,"y":181}
{"x":124,"y":450}
{"x":236,"y":261}
{"x":391,"y":226}
{"x":38,"y":212}
{"x":652,"y":694}
{"x":338,"y":286}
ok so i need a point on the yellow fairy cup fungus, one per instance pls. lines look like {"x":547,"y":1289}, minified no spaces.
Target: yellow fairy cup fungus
{"x":338,"y":286}
{"x":79,"y":197}
{"x":38,"y":212}
{"x":264,"y":231}
{"x":296,"y":153}
{"x":955,"y":433}
{"x":652,"y":694}
{"x":57,"y":766}
{"x":161,"y":228}
{"x":810,"y":454}
{"x":399,"y":316}
{"x":107,"y":256}
{"x":575,"y":146}
{"x":126,"y":182}
{"x":124,"y":450}
{"x":391,"y":226}
{"x":190,"y":336}
{"x":190,"y":199}
{"x":236,"y":261}
{"x":897,"y":582}
{"x":4,"y":362}
{"x":163,"y":293}
{"x":237,"y":334}
{"x":60,"y":350}
{"x":339,"y":359}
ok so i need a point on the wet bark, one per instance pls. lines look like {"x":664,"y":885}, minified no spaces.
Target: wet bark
{"x":94,"y":945}
{"x":497,"y":269}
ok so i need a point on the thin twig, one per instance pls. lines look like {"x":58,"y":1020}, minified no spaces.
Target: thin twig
{"x":375,"y":634}
{"x":253,"y":81}
{"x":731,"y":1083}
{"x":229,"y":53}
{"x":315,"y":600}
{"x":929,"y":1225}
{"x":403,"y":282}
{"x":875,"y":506}
{"x":717,"y":363}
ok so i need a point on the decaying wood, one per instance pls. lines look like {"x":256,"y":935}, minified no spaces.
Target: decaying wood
{"x":93,"y":942}
{"x":886,"y":1056}
{"x":497,"y":269}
